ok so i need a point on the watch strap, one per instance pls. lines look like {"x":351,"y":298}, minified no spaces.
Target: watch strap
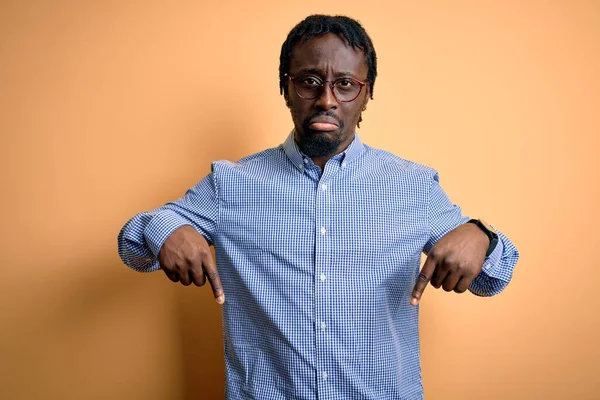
{"x":490,"y":233}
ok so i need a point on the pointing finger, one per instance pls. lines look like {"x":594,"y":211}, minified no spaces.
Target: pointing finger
{"x":213,"y":277}
{"x":422,"y":281}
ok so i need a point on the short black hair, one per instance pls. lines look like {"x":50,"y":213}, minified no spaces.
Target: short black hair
{"x":317,"y":25}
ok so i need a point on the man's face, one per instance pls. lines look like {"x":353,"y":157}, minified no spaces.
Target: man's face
{"x":325,"y":126}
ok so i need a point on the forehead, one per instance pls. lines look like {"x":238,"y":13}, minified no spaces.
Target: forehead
{"x":328,"y":54}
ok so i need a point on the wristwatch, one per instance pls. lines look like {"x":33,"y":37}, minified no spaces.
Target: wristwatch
{"x":489,"y":231}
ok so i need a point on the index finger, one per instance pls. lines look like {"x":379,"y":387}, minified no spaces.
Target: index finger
{"x":213,"y":277}
{"x":422,"y":281}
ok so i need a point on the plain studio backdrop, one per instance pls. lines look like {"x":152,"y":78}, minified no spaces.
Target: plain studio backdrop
{"x":109,"y":108}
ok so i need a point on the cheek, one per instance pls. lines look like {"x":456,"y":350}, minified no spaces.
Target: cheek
{"x":353,"y":114}
{"x":298,"y":112}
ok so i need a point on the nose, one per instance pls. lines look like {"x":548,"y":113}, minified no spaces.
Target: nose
{"x":326,"y":100}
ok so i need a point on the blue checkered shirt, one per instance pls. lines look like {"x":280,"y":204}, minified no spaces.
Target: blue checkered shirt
{"x":317,"y":267}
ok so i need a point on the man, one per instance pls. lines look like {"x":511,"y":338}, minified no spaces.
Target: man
{"x":318,"y":241}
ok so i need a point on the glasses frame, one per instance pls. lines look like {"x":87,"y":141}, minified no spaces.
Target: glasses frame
{"x":331,"y":85}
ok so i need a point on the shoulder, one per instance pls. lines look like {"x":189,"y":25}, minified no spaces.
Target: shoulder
{"x":384,"y":162}
{"x":262,"y":162}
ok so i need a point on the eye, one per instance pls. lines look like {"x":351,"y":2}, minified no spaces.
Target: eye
{"x":310,"y":81}
{"x":346,"y":85}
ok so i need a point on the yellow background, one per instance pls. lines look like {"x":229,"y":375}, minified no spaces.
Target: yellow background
{"x":109,"y":108}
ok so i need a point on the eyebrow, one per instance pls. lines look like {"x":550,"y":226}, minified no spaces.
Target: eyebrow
{"x":339,"y":74}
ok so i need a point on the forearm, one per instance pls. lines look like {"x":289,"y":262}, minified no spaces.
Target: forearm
{"x":140,"y":239}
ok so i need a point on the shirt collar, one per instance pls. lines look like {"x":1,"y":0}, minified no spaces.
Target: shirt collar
{"x":297,"y":158}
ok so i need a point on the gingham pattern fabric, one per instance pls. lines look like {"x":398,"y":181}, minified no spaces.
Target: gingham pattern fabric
{"x":317,"y":268}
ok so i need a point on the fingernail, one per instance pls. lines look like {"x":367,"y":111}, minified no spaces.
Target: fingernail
{"x":414,"y":301}
{"x":221,"y":299}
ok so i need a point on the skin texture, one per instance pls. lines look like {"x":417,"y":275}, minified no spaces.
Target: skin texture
{"x":452,"y":263}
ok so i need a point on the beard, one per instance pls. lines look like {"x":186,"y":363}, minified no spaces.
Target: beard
{"x":318,"y":144}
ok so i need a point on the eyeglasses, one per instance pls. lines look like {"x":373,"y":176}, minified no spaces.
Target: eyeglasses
{"x":310,"y":87}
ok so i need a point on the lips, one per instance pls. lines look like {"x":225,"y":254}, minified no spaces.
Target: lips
{"x":324,"y":124}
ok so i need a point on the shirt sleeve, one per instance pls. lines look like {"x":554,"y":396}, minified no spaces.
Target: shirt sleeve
{"x":141,"y":238}
{"x":498,"y":267}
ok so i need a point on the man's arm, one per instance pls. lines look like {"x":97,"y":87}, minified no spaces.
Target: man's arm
{"x":456,"y":252}
{"x":143,"y":236}
{"x":176,"y":237}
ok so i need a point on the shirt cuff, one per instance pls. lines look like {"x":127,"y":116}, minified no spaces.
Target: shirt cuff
{"x":491,"y":263}
{"x":161,"y":227}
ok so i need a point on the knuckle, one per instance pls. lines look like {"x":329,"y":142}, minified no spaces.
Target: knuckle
{"x":451,"y":261}
{"x":189,"y":260}
{"x":463,"y":265}
{"x":202,"y":251}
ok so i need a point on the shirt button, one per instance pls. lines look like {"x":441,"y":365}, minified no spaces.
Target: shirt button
{"x":323,"y":231}
{"x":323,"y":277}
{"x":323,"y":326}
{"x":306,"y":161}
{"x":343,"y":164}
{"x":323,"y":187}
{"x":324,"y":375}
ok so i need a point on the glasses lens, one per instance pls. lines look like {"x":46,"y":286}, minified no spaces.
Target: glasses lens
{"x":308,"y":87}
{"x":346,"y":89}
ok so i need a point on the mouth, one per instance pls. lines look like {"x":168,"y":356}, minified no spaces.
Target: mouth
{"x":323,"y":124}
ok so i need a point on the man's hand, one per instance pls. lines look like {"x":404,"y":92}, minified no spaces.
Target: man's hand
{"x":454,"y":261}
{"x":185,"y":257}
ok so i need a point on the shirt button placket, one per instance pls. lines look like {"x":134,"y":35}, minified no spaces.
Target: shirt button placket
{"x":322,"y":282}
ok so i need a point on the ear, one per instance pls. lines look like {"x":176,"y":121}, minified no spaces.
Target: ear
{"x":288,"y":104}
